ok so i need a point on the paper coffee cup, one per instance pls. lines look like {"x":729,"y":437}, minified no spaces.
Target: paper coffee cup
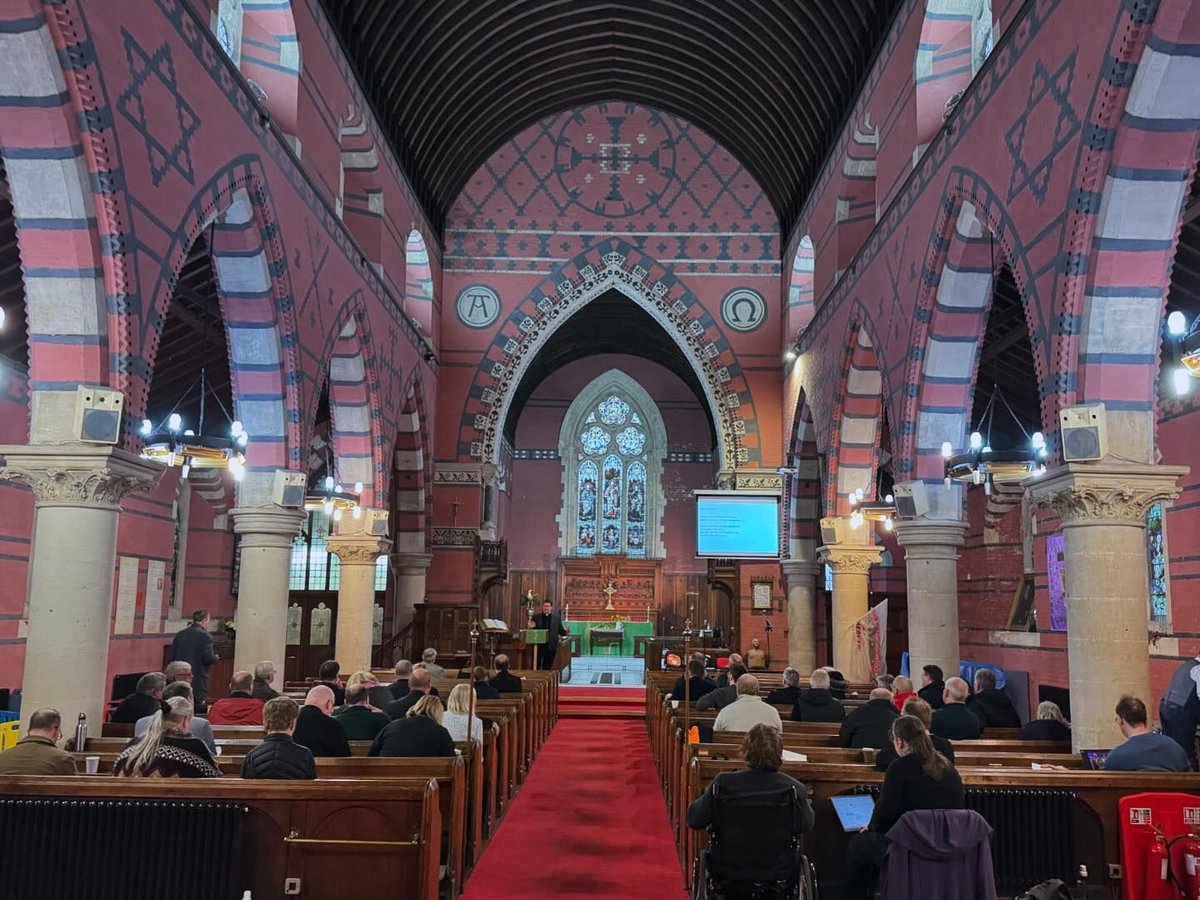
{"x":92,"y":764}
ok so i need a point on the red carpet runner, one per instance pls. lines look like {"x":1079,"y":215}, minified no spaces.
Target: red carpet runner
{"x":589,"y":821}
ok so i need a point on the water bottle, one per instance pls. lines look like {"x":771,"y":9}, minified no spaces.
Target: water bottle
{"x":81,"y":733}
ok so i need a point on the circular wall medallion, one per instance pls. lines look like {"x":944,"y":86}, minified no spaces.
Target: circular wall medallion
{"x":743,"y":309}
{"x":477,"y":306}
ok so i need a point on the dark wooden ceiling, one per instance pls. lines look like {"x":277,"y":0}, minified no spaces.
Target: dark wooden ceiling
{"x":612,"y":323}
{"x":1006,"y":358}
{"x":452,"y":80}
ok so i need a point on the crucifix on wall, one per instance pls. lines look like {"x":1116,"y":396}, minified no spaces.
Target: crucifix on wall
{"x":608,"y":591}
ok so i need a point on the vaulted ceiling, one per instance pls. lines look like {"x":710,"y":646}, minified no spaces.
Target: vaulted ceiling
{"x":451,"y":80}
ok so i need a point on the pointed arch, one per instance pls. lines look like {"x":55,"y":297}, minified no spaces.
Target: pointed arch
{"x":607,"y":266}
{"x":412,"y":475}
{"x":854,"y":442}
{"x":360,"y":196}
{"x":631,"y":440}
{"x":804,"y":496}
{"x":856,"y":195}
{"x":801,"y":289}
{"x":355,"y":410}
{"x":956,"y":38}
{"x":270,"y":60}
{"x":418,"y":281}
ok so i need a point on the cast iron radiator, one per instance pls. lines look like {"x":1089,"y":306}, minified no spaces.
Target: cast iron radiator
{"x":52,"y":848}
{"x":1033,"y":833}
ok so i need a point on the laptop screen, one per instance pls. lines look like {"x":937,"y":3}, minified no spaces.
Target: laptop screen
{"x":1093,"y":759}
{"x":854,"y":811}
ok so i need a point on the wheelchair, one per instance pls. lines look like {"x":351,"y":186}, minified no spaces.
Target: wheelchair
{"x":754,"y":851}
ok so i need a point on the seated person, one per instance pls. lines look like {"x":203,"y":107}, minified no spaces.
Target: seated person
{"x":483,"y":690}
{"x":419,"y":685}
{"x":818,"y":704}
{"x":920,"y":779}
{"x":725,"y":679}
{"x":199,"y":727}
{"x":399,"y":687}
{"x":264,"y":675}
{"x":1048,"y":726}
{"x":358,"y":718}
{"x":504,"y":681}
{"x":328,"y":676}
{"x":418,"y":733}
{"x":756,"y":657}
{"x":933,"y":685}
{"x":316,"y":729}
{"x":762,"y":751}
{"x":1144,"y":750}
{"x":37,"y":753}
{"x":902,"y":689}
{"x":458,"y":715}
{"x":429,"y":657}
{"x":378,"y":695}
{"x":993,"y":707}
{"x":239,"y":708}
{"x":885,"y":681}
{"x":789,"y":693}
{"x":278,"y":756}
{"x":697,"y":684}
{"x":871,"y":724}
{"x":747,"y":710}
{"x":723,"y":696}
{"x":954,"y":721}
{"x":837,"y":683}
{"x":167,"y":749}
{"x":917,"y":707}
{"x":146,"y":699}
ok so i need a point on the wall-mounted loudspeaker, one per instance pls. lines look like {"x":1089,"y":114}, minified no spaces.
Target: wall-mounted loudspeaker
{"x":1083,"y":433}
{"x":911,"y":499}
{"x":833,"y":531}
{"x":289,"y":488}
{"x":98,"y":414}
{"x":376,"y":523}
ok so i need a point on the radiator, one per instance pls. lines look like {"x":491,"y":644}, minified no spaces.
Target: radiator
{"x":52,"y":848}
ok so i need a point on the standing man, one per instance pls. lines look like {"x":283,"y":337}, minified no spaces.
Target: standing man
{"x":552,"y":623}
{"x":1179,"y":710}
{"x":194,"y":645}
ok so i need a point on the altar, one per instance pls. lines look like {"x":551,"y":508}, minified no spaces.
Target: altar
{"x":606,"y":638}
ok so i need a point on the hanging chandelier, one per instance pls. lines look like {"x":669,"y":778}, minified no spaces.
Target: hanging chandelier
{"x":173,"y":444}
{"x":330,"y":496}
{"x":980,"y":464}
{"x":872,"y":510}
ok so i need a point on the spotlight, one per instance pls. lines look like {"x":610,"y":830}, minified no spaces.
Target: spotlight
{"x":1181,"y":378}
{"x":1176,"y":323}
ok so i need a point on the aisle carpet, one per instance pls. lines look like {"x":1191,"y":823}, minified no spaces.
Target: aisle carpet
{"x":589,"y":821}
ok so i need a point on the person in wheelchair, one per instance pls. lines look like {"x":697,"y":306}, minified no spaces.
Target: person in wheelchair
{"x":755,"y":818}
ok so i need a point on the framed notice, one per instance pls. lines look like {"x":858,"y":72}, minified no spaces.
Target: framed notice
{"x":761,"y":595}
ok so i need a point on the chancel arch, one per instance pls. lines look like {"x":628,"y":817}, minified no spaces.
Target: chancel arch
{"x":854,"y":443}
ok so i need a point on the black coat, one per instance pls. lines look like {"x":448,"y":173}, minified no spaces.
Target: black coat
{"x":485,"y":691}
{"x":339,"y":692}
{"x":506,"y":682}
{"x":869,"y":726}
{"x":398,"y":688}
{"x":553,"y":625}
{"x":932,"y":694}
{"x":263,"y":691}
{"x":784,"y":695}
{"x":279,"y":757}
{"x":888,"y":754}
{"x":906,"y":787}
{"x":398,"y":709}
{"x":135,"y":706}
{"x":818,"y":705}
{"x":1046,"y":730}
{"x":995,"y":709}
{"x":698,"y":686}
{"x":955,"y":722}
{"x":413,"y":736}
{"x":748,"y":783}
{"x":320,"y":733}
{"x":194,"y":646}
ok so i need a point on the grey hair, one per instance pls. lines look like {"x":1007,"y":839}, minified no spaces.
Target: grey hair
{"x":791,"y":677}
{"x":180,"y":711}
{"x":819,"y":679}
{"x":428,"y":655}
{"x":403,"y":668}
{"x":1048,"y":709}
{"x":263,"y":670}
{"x":177,"y":668}
{"x":957,"y":688}
{"x":151,"y":682}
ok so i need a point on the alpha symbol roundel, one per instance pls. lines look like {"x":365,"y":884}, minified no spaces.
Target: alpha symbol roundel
{"x":477,"y":306}
{"x":743,"y":309}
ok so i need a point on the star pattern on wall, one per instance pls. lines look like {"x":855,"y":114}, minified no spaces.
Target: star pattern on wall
{"x":1032,"y":141}
{"x":154,"y":107}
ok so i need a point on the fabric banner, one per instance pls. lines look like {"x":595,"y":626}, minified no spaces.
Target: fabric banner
{"x":870,"y":643}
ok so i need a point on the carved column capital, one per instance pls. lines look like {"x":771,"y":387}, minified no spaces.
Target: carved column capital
{"x":79,"y":474}
{"x":930,"y":538}
{"x":267,"y":526}
{"x":850,"y":560}
{"x":354,"y":550}
{"x":1106,"y":494}
{"x":412,"y":563}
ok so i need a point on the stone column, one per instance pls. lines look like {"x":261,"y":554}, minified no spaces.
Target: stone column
{"x":410,"y":584}
{"x":801,"y":613}
{"x":78,"y":491}
{"x":851,"y":582}
{"x":356,"y":595}
{"x":267,"y":533}
{"x":931,"y":559}
{"x":1103,"y":512}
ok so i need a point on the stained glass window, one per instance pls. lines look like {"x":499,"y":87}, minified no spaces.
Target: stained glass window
{"x":589,"y":477}
{"x":1156,"y":556}
{"x":631,"y":441}
{"x":611,"y":505}
{"x":614,"y":411}
{"x":313,"y":568}
{"x":595,"y":440}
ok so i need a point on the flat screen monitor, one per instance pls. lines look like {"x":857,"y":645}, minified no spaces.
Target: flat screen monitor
{"x":737,"y":524}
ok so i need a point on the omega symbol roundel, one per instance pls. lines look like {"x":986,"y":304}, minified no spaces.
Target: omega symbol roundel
{"x":743,"y":309}
{"x":615,"y":165}
{"x":477,"y":306}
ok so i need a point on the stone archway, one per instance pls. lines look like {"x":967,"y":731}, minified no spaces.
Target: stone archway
{"x":613,"y":265}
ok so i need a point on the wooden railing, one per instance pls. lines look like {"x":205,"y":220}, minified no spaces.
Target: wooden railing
{"x":400,"y":645}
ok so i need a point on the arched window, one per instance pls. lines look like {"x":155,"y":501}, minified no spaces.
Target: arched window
{"x":313,"y":567}
{"x":612,"y":445}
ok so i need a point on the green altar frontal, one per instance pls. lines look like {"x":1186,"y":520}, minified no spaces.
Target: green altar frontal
{"x":605,"y":646}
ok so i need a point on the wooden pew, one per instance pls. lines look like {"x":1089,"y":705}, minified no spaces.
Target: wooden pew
{"x":293,"y":829}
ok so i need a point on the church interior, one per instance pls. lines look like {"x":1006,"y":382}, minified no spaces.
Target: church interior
{"x":595,"y":338}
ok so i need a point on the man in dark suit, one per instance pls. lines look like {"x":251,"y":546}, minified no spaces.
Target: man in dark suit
{"x":993,"y":707}
{"x":146,"y":700}
{"x":722,"y":697}
{"x":419,"y":683}
{"x":789,"y":693}
{"x":549,"y":620}
{"x":933,"y":685}
{"x":504,"y":681}
{"x":399,"y":687}
{"x":483,"y":690}
{"x":316,"y":729}
{"x":871,"y":724}
{"x":194,"y":645}
{"x":954,"y":721}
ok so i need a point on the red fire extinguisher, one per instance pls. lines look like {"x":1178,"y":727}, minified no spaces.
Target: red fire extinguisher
{"x":1158,"y":884}
{"x":1190,"y":874}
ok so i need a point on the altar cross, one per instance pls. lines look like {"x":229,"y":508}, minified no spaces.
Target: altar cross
{"x":608,"y":591}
